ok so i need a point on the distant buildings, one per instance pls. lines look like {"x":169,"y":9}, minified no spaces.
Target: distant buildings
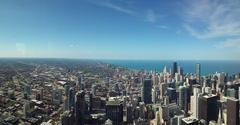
{"x":157,"y":99}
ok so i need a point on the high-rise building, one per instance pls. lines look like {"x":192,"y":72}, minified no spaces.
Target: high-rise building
{"x":172,"y":94}
{"x":80,"y":83}
{"x":180,"y":70}
{"x":27,"y":91}
{"x":129,"y":114}
{"x":165,"y":74}
{"x":71,"y":97}
{"x":208,"y":107}
{"x":154,"y":95}
{"x":147,"y":91}
{"x":231,"y":92}
{"x":194,"y":102}
{"x":232,"y":111}
{"x":175,"y":68}
{"x":26,"y":108}
{"x":238,"y":93}
{"x":198,"y":73}
{"x":66,"y":98}
{"x":182,"y":98}
{"x":114,"y":111}
{"x":67,"y":118}
{"x":57,"y":96}
{"x":80,"y":106}
{"x":163,"y":89}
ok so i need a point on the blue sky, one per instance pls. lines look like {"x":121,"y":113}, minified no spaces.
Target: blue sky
{"x":121,"y":29}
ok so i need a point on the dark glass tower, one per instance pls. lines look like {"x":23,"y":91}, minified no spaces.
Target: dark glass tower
{"x":175,"y":68}
{"x":114,"y":112}
{"x":208,"y":107}
{"x":80,"y":106}
{"x":147,"y":91}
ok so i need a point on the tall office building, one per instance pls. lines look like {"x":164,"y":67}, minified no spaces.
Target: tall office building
{"x":80,"y":106}
{"x":175,"y":70}
{"x":198,"y":73}
{"x":27,"y":91}
{"x":172,"y":94}
{"x":232,"y":111}
{"x":71,"y":97}
{"x":114,"y":111}
{"x":129,"y":113}
{"x":208,"y":107}
{"x":180,"y":70}
{"x":165,"y":74}
{"x":67,"y":118}
{"x":26,"y":108}
{"x":57,"y":96}
{"x":238,"y":93}
{"x":163,"y":89}
{"x":154,"y":95}
{"x":80,"y":83}
{"x":194,"y":102}
{"x":147,"y":91}
{"x":182,"y":98}
{"x":66,"y":102}
{"x":41,"y":93}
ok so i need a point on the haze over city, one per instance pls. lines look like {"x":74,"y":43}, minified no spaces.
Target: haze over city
{"x":121,"y":29}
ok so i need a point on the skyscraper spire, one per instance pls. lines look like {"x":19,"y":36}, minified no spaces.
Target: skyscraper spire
{"x":165,"y":69}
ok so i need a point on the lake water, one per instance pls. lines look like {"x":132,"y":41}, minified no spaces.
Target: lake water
{"x":208,"y":67}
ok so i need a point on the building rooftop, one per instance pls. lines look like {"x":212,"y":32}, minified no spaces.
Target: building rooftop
{"x":209,"y":96}
{"x":116,"y":102}
{"x":189,"y":120}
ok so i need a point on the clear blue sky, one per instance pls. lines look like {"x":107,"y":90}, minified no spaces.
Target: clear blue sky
{"x":120,"y":29}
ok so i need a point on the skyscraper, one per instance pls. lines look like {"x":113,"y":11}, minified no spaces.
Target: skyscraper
{"x":56,"y":96}
{"x":175,"y":70}
{"x":67,"y":118}
{"x":66,"y":97}
{"x":147,"y":91}
{"x":198,"y":73}
{"x":129,"y":113}
{"x":26,"y":108}
{"x":114,"y":112}
{"x":208,"y":107}
{"x":27,"y":90}
{"x":182,"y":98}
{"x":194,"y":102}
{"x":80,"y":107}
{"x":232,"y":111}
{"x":71,"y":97}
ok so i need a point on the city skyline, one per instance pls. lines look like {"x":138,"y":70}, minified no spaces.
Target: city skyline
{"x":108,"y":29}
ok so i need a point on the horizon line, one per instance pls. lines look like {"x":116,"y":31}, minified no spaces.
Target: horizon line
{"x":120,"y":59}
